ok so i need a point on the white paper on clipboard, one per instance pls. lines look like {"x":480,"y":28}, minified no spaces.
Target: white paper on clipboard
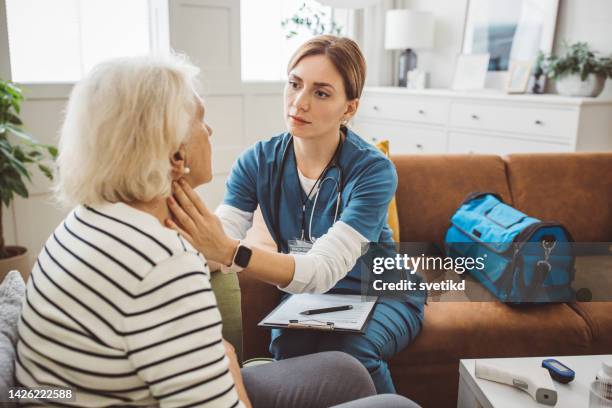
{"x":353,"y":319}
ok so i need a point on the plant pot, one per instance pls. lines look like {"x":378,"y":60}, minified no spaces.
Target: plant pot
{"x":18,"y":261}
{"x":572,"y":85}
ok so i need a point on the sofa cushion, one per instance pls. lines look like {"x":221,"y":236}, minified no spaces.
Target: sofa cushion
{"x":574,"y":189}
{"x":227,"y":292}
{"x":598,"y":316}
{"x":431,"y":187}
{"x":456,"y":330}
{"x":12,"y":291}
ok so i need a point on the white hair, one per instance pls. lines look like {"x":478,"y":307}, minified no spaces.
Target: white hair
{"x":123,"y":123}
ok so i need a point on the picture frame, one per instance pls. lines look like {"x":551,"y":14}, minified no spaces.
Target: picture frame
{"x":470,"y":72}
{"x":509,"y":30}
{"x":519,"y":73}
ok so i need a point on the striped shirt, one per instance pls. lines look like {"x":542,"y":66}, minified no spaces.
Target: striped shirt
{"x":120,"y":309}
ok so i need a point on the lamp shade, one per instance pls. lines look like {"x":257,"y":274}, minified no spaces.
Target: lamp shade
{"x":408,"y":29}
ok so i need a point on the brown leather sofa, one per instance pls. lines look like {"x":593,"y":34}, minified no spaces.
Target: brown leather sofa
{"x":573,"y":188}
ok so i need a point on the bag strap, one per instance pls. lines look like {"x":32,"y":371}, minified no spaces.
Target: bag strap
{"x":477,"y":194}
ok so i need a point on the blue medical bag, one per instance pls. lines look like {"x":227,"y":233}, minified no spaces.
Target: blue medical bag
{"x":525,"y":260}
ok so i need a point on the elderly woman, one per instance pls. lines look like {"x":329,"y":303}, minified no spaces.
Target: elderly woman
{"x":119,"y":308}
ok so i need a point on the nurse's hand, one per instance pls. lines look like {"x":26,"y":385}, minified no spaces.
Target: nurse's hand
{"x":199,"y":225}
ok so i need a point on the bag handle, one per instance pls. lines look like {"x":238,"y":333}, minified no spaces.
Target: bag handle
{"x":477,"y":194}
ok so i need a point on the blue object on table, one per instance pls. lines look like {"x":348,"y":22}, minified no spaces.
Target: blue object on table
{"x":558,"y":371}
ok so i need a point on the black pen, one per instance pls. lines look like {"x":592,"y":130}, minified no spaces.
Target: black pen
{"x":326,"y":310}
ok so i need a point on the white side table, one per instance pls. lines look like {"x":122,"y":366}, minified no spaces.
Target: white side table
{"x":477,"y":393}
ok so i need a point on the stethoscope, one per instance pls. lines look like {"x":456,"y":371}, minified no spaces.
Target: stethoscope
{"x":339,"y":184}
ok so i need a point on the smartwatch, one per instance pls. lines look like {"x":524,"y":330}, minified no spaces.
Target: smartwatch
{"x":242,"y":256}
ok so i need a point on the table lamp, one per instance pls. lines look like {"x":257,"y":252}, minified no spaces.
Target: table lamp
{"x":408,"y":30}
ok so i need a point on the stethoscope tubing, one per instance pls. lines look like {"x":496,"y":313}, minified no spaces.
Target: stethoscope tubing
{"x":314,"y":204}
{"x":277,"y":192}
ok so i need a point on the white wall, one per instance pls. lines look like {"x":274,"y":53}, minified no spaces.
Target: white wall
{"x":578,"y":20}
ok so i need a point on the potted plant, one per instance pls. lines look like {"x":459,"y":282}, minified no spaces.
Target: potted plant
{"x":313,"y":19}
{"x":579,"y":72}
{"x":18,"y":152}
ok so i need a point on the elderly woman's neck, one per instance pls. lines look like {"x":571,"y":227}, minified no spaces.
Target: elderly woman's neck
{"x":156,"y":207}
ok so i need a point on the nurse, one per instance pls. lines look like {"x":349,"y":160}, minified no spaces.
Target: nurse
{"x":323,"y":192}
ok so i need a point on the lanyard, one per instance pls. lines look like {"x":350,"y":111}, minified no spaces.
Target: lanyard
{"x":319,"y":182}
{"x":277,"y":189}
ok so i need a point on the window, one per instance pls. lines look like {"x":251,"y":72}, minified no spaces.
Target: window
{"x":61,"y":40}
{"x":264,"y":44}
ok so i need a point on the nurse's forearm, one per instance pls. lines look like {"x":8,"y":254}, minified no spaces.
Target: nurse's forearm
{"x":270,"y":267}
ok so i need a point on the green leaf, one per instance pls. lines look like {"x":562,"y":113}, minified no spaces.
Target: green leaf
{"x":14,"y":119}
{"x":13,"y":163}
{"x":46,"y":171}
{"x":19,"y":187}
{"x":20,"y":133}
{"x":52,"y":151}
{"x":7,"y":196}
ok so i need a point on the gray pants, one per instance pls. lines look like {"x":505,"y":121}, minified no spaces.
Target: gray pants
{"x":318,"y":380}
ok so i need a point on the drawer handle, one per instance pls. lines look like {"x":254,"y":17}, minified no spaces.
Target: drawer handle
{"x":375,"y":107}
{"x":539,"y":122}
{"x":421,"y":112}
{"x":475,"y":117}
{"x":419,"y":146}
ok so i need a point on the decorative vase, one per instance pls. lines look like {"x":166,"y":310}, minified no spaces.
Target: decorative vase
{"x":572,"y":85}
{"x":18,"y":261}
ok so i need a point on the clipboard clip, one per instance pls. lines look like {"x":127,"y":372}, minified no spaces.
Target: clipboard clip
{"x":311,"y":324}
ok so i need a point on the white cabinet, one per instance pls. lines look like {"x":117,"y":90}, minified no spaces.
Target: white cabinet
{"x":411,"y":109}
{"x":470,"y":143}
{"x":547,"y":122}
{"x":439,"y":121}
{"x":405,"y":138}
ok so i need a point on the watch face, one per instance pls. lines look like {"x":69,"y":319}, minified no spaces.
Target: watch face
{"x":243,"y":256}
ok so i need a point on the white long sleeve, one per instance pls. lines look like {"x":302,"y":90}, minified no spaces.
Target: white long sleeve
{"x":331,"y":257}
{"x":235,"y":222}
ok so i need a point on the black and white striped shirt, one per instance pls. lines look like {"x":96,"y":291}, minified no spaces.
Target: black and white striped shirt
{"x":121,"y":309}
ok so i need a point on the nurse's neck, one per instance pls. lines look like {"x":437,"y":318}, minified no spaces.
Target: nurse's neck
{"x":314,"y":153}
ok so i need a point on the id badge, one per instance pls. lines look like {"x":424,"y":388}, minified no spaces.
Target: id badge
{"x":299,"y":246}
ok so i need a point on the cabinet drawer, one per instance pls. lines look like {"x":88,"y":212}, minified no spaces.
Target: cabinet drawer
{"x":403,"y":108}
{"x":403,"y":139}
{"x":471,"y":143}
{"x":547,"y":122}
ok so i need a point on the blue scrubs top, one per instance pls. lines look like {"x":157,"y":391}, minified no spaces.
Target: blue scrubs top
{"x":369,"y":184}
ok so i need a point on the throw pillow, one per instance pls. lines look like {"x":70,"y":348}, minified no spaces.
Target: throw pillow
{"x":12,"y":292}
{"x":393,"y":218}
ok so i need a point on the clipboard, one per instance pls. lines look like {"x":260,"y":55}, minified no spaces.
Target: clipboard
{"x":325,"y":321}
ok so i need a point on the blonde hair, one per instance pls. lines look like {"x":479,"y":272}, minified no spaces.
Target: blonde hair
{"x":123,"y":123}
{"x":344,"y":54}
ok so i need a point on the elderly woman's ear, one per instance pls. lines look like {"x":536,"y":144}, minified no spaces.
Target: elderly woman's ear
{"x":179,"y":166}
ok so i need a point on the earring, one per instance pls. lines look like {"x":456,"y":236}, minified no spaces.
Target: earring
{"x":186,"y":170}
